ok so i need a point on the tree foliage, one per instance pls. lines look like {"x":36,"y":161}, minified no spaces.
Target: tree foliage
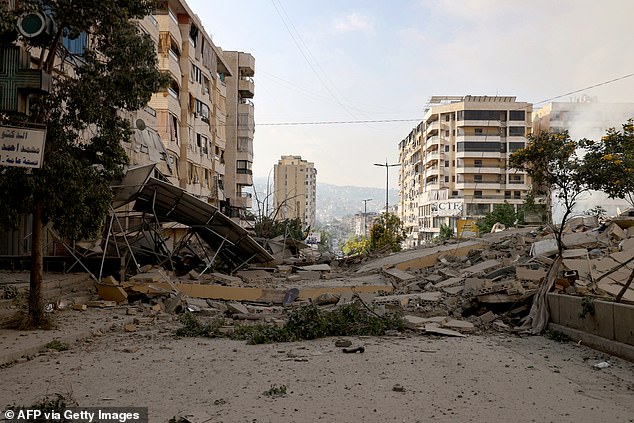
{"x":387,"y":231}
{"x":445,"y":233}
{"x":82,"y":114}
{"x":502,"y":213}
{"x":550,"y":159}
{"x":356,"y":245}
{"x":609,"y":163}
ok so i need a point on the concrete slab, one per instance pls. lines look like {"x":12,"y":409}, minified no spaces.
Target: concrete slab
{"x":485,"y":266}
{"x":435,"y":329}
{"x":532,"y":275}
{"x":421,"y":258}
{"x":449,"y":282}
{"x":453,"y":290}
{"x":399,"y":275}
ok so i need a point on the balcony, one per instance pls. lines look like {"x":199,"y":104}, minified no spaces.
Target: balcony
{"x":478,"y":185}
{"x":168,"y":23}
{"x":433,"y":126}
{"x":476,"y":170}
{"x":243,"y":201}
{"x":170,"y":62}
{"x":479,"y":155}
{"x":246,"y":87}
{"x":246,"y":64}
{"x":244,"y":177}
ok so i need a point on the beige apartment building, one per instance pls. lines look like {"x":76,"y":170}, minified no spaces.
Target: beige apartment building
{"x":200,"y":128}
{"x":454,"y":164}
{"x":240,"y":131}
{"x":295,"y":190}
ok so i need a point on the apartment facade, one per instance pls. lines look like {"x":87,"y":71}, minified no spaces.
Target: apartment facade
{"x":295,"y":190}
{"x":199,"y":130}
{"x":454,"y":164}
{"x":240,"y":132}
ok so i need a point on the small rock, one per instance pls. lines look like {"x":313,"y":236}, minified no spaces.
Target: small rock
{"x":398,"y":388}
{"x":341,"y":343}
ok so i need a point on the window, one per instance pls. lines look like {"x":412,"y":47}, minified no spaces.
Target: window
{"x":517,"y":131}
{"x":478,"y":131}
{"x":514,"y":146}
{"x":477,"y":178}
{"x":517,"y":194}
{"x":244,"y":167}
{"x":480,"y":114}
{"x":507,"y":195}
{"x":517,"y":115}
{"x":446,"y":178}
{"x":477,"y":194}
{"x":477,"y":163}
{"x":446,"y":163}
{"x":446,"y":149}
{"x":454,"y":193}
{"x":447,"y":118}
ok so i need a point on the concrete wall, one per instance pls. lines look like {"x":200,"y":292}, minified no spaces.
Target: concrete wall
{"x":610,"y":322}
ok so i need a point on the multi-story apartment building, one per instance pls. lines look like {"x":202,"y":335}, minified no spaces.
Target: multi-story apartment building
{"x":461,"y":170}
{"x":410,"y":183}
{"x":240,"y":131}
{"x":295,"y":188}
{"x":190,"y":112}
{"x":200,"y":128}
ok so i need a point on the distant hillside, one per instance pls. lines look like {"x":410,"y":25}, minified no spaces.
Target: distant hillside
{"x":334,"y":201}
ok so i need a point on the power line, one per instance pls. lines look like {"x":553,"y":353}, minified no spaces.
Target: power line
{"x":347,"y":122}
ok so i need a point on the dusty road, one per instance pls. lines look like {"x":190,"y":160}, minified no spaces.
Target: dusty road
{"x":491,"y":378}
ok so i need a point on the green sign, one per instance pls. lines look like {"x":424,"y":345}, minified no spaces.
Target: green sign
{"x":17,"y":79}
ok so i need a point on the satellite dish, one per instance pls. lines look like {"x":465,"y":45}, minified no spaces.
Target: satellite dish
{"x":32,"y":24}
{"x":140,"y":124}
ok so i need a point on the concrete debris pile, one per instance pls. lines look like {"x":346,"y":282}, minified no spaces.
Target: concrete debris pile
{"x":452,"y":289}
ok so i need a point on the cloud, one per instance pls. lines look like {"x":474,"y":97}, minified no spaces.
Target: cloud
{"x":353,"y":22}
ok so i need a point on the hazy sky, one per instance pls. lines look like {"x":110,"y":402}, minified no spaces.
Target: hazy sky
{"x":358,"y":60}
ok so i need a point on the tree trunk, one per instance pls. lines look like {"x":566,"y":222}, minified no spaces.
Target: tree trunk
{"x":36,"y":305}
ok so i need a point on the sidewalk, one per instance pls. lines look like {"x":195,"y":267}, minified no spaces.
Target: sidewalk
{"x":72,"y":326}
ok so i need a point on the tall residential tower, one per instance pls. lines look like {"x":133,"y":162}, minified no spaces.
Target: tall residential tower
{"x":295,"y":190}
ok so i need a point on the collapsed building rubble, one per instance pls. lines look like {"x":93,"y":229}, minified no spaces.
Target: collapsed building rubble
{"x":184,"y":255}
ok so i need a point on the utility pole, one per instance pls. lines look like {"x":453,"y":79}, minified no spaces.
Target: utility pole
{"x":387,"y":181}
{"x":365,"y":216}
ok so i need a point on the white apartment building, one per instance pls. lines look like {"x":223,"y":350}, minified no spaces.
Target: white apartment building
{"x":454,"y":164}
{"x":295,"y":190}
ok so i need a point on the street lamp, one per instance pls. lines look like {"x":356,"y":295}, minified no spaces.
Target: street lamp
{"x":365,"y":216}
{"x":387,"y":180}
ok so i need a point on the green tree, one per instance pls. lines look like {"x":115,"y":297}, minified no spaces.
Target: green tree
{"x":502,"y":213}
{"x":387,"y":230}
{"x":609,"y":163}
{"x":550,"y":159}
{"x":83,"y":118}
{"x":445,"y":233}
{"x":356,"y":245}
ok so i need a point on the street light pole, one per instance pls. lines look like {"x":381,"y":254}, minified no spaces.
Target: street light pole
{"x":387,"y":181}
{"x":365,"y":216}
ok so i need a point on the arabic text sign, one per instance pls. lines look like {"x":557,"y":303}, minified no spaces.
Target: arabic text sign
{"x":21,"y":147}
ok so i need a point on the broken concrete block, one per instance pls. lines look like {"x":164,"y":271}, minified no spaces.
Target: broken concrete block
{"x":326,"y":298}
{"x":545,"y":247}
{"x":80,"y":307}
{"x":448,"y":282}
{"x":485,"y":266}
{"x":237,"y":308}
{"x":317,"y":268}
{"x":129,"y":327}
{"x":101,"y":303}
{"x":615,"y":232}
{"x":109,"y":280}
{"x":435,"y":329}
{"x":532,"y":275}
{"x":459,"y":325}
{"x":413,"y":287}
{"x":453,"y":290}
{"x":345,"y":298}
{"x":111,"y":293}
{"x":449,"y":273}
{"x":434,"y":278}
{"x":414,"y":322}
{"x":474,"y":284}
{"x":399,"y":275}
{"x":488,"y":317}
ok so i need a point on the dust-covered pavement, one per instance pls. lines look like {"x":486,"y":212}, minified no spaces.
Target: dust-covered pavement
{"x":480,"y":378}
